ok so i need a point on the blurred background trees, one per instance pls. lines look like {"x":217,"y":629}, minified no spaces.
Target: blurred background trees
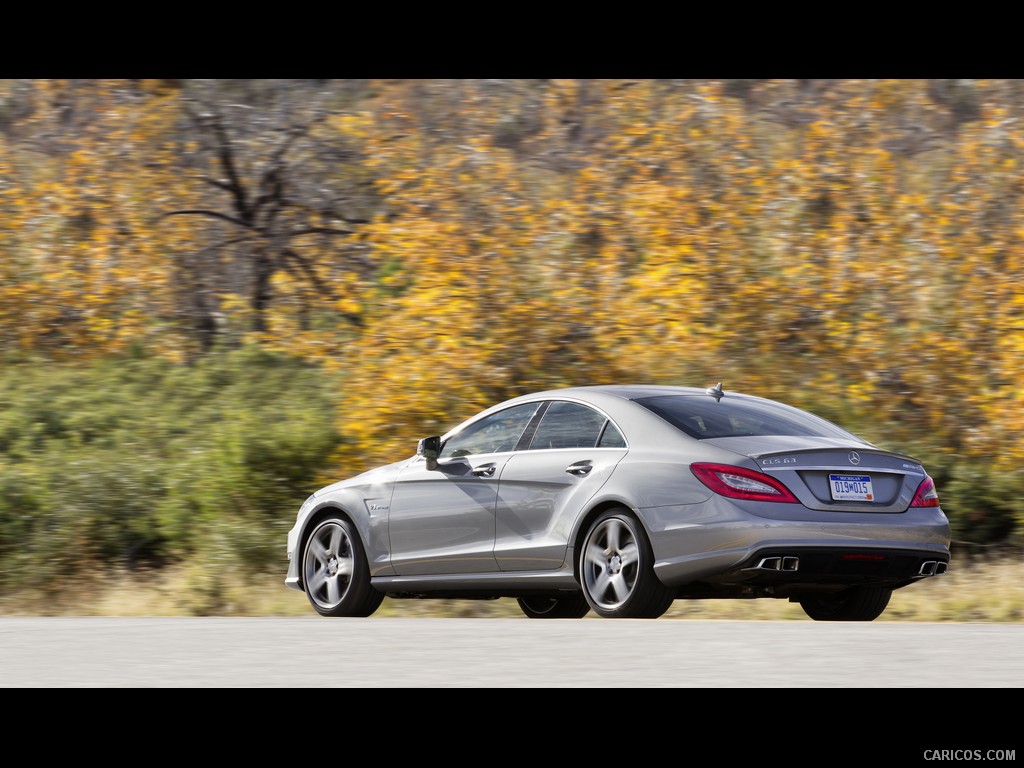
{"x":416,"y":250}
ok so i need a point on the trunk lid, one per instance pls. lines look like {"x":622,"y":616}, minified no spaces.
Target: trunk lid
{"x":826,"y":473}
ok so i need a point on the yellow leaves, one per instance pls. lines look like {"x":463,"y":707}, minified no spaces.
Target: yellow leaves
{"x":862,"y":392}
{"x":356,"y":125}
{"x":232,"y":302}
{"x":673,"y":236}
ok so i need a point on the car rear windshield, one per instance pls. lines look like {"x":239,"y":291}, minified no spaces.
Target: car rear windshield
{"x":705,"y":417}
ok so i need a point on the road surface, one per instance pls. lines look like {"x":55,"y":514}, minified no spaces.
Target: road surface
{"x":434,"y":653}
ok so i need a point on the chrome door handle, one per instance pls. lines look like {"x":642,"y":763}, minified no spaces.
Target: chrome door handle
{"x":484,"y":470}
{"x":580,"y":468}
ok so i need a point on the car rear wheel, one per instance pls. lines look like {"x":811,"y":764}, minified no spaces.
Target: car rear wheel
{"x":853,"y":604}
{"x":335,"y":574}
{"x":617,"y":569}
{"x":554,"y":607}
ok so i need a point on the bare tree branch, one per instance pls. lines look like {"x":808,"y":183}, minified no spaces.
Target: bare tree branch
{"x":318,"y":231}
{"x":221,"y":244}
{"x":276,"y":189}
{"x":212,"y":214}
{"x":227,"y":161}
{"x":219,"y":184}
{"x":309,"y":272}
{"x":319,"y":284}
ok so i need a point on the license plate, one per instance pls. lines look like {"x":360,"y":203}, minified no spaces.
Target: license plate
{"x":851,"y":487}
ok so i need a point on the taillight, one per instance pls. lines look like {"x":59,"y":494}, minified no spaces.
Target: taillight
{"x":740,"y":483}
{"x":926,"y":495}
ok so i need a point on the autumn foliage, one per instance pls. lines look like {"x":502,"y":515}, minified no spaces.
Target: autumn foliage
{"x":854,"y":247}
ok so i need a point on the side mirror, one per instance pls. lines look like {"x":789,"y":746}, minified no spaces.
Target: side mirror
{"x":429,"y":448}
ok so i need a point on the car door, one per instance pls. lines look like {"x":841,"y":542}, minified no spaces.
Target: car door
{"x":545,"y":485}
{"x":441,"y":521}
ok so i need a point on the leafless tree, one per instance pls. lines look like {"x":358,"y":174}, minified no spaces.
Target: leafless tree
{"x":278,"y":196}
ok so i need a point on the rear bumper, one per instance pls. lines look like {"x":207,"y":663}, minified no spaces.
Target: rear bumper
{"x":815,"y":563}
{"x":695,"y":543}
{"x":795,"y":572}
{"x":835,"y":566}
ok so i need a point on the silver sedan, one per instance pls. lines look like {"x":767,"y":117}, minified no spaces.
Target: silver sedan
{"x":621,"y":499}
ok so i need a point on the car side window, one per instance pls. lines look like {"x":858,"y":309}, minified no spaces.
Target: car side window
{"x":496,"y":433}
{"x":568,"y":425}
{"x":611,"y":438}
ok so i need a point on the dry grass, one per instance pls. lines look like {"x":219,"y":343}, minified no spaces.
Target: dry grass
{"x":971,"y":591}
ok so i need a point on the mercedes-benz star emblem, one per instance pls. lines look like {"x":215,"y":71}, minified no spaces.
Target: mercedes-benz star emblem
{"x":854,"y":457}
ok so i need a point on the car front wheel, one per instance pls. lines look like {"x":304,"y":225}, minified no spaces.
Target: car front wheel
{"x":617,"y":569}
{"x":335,"y":573}
{"x":853,"y":604}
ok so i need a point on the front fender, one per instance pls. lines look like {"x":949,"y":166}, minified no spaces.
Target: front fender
{"x":368,"y":514}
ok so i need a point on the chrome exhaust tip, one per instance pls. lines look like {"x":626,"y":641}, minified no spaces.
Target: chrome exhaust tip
{"x":928,"y":568}
{"x":941,"y":567}
{"x":776,"y":563}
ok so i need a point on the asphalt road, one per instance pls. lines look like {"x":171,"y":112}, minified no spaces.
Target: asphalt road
{"x":503,"y":653}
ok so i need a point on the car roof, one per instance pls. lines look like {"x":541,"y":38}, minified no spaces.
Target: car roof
{"x":610,"y":398}
{"x":625,"y":391}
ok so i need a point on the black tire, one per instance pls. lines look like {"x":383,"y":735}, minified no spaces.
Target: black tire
{"x":554,"y":607}
{"x":617,"y":569}
{"x":853,"y":604}
{"x":335,"y":573}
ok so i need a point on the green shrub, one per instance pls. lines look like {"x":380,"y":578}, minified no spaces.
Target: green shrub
{"x":137,"y":461}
